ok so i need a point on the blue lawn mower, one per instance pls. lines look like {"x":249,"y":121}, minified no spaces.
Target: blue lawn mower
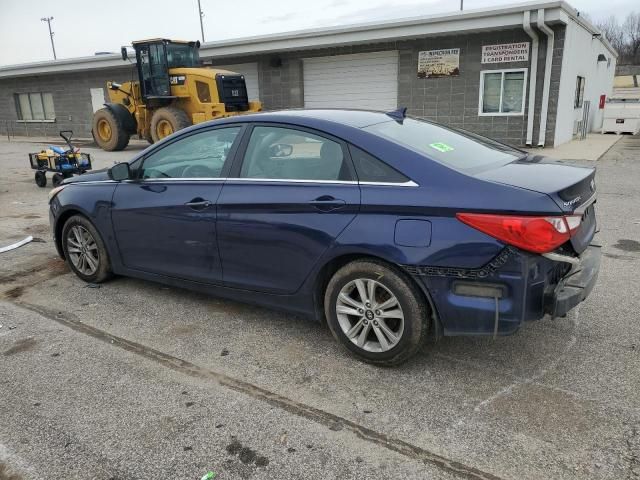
{"x":64,"y":162}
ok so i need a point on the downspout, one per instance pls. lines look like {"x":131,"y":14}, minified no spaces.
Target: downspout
{"x":547,"y":77}
{"x":526,"y":25}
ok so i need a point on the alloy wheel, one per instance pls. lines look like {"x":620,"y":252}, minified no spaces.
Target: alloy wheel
{"x":83,"y":250}
{"x":370,"y":315}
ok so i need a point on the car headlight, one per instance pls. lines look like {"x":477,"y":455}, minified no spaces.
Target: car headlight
{"x":55,"y":191}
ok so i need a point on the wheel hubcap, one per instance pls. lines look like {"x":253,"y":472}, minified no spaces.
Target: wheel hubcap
{"x":83,"y":250}
{"x":370,"y":315}
{"x":104,"y":130}
{"x":164,"y":129}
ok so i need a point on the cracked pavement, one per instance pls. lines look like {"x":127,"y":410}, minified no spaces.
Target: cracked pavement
{"x":136,"y":380}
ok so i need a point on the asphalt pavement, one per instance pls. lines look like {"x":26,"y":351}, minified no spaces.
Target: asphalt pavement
{"x":135,"y":380}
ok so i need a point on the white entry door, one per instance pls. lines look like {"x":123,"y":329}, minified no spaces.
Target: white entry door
{"x":97,"y":99}
{"x":362,"y":80}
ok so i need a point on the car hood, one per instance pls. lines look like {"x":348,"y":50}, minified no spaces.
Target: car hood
{"x":93,"y":176}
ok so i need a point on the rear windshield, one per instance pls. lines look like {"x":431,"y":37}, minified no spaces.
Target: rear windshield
{"x":455,"y":148}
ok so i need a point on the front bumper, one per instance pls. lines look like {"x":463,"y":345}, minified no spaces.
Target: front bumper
{"x":54,"y":207}
{"x":576,"y":285}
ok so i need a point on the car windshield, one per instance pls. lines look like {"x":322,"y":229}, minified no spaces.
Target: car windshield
{"x":182,"y":55}
{"x":458,"y":149}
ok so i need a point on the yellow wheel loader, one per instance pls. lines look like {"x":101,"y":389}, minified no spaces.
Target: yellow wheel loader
{"x":172,"y":92}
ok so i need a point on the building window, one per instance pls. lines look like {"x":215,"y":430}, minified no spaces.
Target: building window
{"x":577,"y":103}
{"x":502,"y":92}
{"x":34,"y":106}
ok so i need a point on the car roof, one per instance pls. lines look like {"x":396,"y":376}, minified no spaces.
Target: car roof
{"x":332,"y":121}
{"x":352,"y":118}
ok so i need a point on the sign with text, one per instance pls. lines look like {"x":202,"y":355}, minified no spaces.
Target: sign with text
{"x":439,"y":63}
{"x":506,"y":52}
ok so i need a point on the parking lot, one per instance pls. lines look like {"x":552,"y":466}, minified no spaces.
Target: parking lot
{"x":135,"y":380}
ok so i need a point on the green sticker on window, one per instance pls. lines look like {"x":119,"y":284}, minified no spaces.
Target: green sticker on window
{"x":441,"y":147}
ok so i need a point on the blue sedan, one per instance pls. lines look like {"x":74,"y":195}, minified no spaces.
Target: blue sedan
{"x":391,"y":229}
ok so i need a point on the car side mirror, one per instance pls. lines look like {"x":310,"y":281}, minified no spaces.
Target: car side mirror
{"x":280,"y":150}
{"x":124,"y":53}
{"x":119,"y":172}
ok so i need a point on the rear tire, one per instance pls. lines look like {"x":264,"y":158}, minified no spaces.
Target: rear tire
{"x":108,"y":131}
{"x":41,"y":179}
{"x":81,"y":239}
{"x":168,"y":120}
{"x":376,"y":312}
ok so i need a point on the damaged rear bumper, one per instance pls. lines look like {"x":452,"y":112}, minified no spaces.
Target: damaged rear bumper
{"x":513,"y":288}
{"x":576,"y":285}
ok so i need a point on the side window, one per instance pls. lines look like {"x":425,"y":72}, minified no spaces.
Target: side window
{"x":579,"y":96}
{"x":288,"y":154}
{"x":201,"y":155}
{"x":370,"y":169}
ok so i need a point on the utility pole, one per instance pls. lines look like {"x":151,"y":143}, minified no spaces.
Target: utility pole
{"x":461,"y":1}
{"x":201,"y":14}
{"x":48,"y":20}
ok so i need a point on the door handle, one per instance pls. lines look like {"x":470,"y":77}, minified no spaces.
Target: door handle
{"x":199,"y":204}
{"x":327,"y":203}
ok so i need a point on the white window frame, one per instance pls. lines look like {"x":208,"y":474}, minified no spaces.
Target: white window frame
{"x":503,"y":71}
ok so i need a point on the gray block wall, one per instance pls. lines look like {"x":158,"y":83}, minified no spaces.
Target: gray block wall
{"x":454,"y":100}
{"x":449,"y":100}
{"x":71,"y":100}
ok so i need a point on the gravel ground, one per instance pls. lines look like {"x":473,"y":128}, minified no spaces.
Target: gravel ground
{"x":134,"y":380}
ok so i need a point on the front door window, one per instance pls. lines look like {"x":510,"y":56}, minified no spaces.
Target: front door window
{"x":201,"y":155}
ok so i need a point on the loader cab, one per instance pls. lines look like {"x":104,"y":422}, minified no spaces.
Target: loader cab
{"x":154,"y":58}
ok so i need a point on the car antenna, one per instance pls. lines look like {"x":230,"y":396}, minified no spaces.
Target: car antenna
{"x":398,"y":115}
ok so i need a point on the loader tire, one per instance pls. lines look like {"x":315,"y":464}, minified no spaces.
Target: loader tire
{"x":168,"y":120}
{"x":108,"y":131}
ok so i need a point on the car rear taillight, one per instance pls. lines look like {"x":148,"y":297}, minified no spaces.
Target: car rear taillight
{"x":534,"y":234}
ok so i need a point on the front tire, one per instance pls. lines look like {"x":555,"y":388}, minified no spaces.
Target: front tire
{"x":168,"y":120}
{"x":376,"y":312}
{"x":85,"y":251}
{"x":108,"y":131}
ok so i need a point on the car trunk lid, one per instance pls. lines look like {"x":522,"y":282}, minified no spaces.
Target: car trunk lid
{"x":571,"y":187}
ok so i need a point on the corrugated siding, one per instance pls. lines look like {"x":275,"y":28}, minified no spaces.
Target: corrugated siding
{"x":363,"y":80}
{"x":250,"y":72}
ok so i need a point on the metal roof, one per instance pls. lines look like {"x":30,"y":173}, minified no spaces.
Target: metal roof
{"x":478,"y":20}
{"x":156,"y":40}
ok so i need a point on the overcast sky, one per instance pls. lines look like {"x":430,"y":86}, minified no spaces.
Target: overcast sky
{"x":83,"y":27}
